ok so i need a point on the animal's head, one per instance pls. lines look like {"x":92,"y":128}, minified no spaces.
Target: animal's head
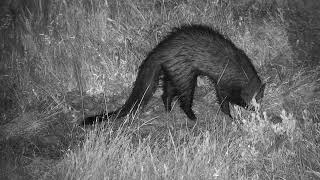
{"x":253,"y":94}
{"x":260,"y":93}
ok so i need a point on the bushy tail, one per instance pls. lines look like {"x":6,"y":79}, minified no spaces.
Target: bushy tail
{"x":144,"y":86}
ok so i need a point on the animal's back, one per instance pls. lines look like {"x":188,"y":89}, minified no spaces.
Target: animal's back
{"x":203,"y":51}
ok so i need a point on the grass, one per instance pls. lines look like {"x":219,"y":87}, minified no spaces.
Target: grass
{"x":62,"y":61}
{"x":258,"y":150}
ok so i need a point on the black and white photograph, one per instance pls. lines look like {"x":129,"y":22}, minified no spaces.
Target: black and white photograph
{"x":160,"y":89}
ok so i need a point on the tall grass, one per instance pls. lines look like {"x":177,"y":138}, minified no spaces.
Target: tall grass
{"x":63,"y":60}
{"x":258,"y":150}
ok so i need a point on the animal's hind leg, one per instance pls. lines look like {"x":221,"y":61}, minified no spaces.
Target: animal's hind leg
{"x":169,"y":92}
{"x":184,"y":80}
{"x":186,"y":97}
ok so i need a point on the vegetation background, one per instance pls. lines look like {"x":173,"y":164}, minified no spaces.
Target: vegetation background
{"x":64,"y":60}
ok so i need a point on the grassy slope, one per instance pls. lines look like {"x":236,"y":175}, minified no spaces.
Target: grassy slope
{"x":57,"y":59}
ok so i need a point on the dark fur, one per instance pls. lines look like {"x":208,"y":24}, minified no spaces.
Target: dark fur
{"x":187,"y":52}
